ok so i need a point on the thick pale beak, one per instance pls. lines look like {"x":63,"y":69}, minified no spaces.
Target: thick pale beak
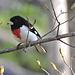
{"x":10,"y":23}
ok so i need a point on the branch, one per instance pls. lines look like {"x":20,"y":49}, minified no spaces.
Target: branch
{"x":42,"y":68}
{"x":66,"y":43}
{"x":55,"y":17}
{"x":57,"y":26}
{"x":61,"y":52}
{"x":38,"y":42}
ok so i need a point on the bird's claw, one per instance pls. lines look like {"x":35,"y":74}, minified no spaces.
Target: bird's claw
{"x":26,"y":49}
{"x":18,"y":45}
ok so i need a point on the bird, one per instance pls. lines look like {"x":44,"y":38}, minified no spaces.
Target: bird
{"x":20,"y":28}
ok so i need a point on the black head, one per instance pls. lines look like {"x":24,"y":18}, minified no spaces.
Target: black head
{"x":17,"y":22}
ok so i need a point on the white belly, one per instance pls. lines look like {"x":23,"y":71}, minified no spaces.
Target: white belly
{"x":24,"y":33}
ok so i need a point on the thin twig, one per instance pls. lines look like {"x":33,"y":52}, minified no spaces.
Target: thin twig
{"x":58,"y":29}
{"x":55,"y":17}
{"x":27,"y":34}
{"x":28,"y":30}
{"x":57,"y":26}
{"x":42,"y":67}
{"x":67,"y":44}
{"x":68,"y":66}
{"x":72,"y":58}
{"x":34,"y":22}
{"x":49,"y":11}
{"x":54,"y":66}
{"x":61,"y":13}
{"x":61,"y":52}
{"x":54,"y":11}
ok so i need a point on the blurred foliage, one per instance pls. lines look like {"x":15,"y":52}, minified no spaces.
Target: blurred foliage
{"x":33,"y":12}
{"x":27,"y":60}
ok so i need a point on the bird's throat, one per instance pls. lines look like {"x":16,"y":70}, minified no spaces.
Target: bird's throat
{"x":16,"y":33}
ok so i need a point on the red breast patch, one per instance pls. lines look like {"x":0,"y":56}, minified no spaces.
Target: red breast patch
{"x":16,"y":33}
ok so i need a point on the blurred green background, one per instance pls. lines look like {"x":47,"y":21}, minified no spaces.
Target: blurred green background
{"x":28,"y":59}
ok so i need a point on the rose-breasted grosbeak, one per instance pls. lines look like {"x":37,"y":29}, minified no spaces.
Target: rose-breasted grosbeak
{"x":20,"y":28}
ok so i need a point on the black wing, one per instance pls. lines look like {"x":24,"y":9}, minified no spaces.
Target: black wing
{"x":32,"y":29}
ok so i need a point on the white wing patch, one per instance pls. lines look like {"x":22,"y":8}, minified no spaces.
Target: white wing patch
{"x":35,"y":32}
{"x":31,"y":27}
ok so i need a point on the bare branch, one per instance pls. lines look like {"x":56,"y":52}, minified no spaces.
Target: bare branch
{"x":67,"y":44}
{"x":54,"y":11}
{"x":42,"y":68}
{"x":38,"y":42}
{"x":67,"y":63}
{"x":55,"y":17}
{"x":49,"y":11}
{"x":54,"y":66}
{"x":28,"y":30}
{"x":57,"y":26}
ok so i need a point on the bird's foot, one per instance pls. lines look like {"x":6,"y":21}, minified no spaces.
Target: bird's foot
{"x":18,"y":45}
{"x":26,"y":49}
